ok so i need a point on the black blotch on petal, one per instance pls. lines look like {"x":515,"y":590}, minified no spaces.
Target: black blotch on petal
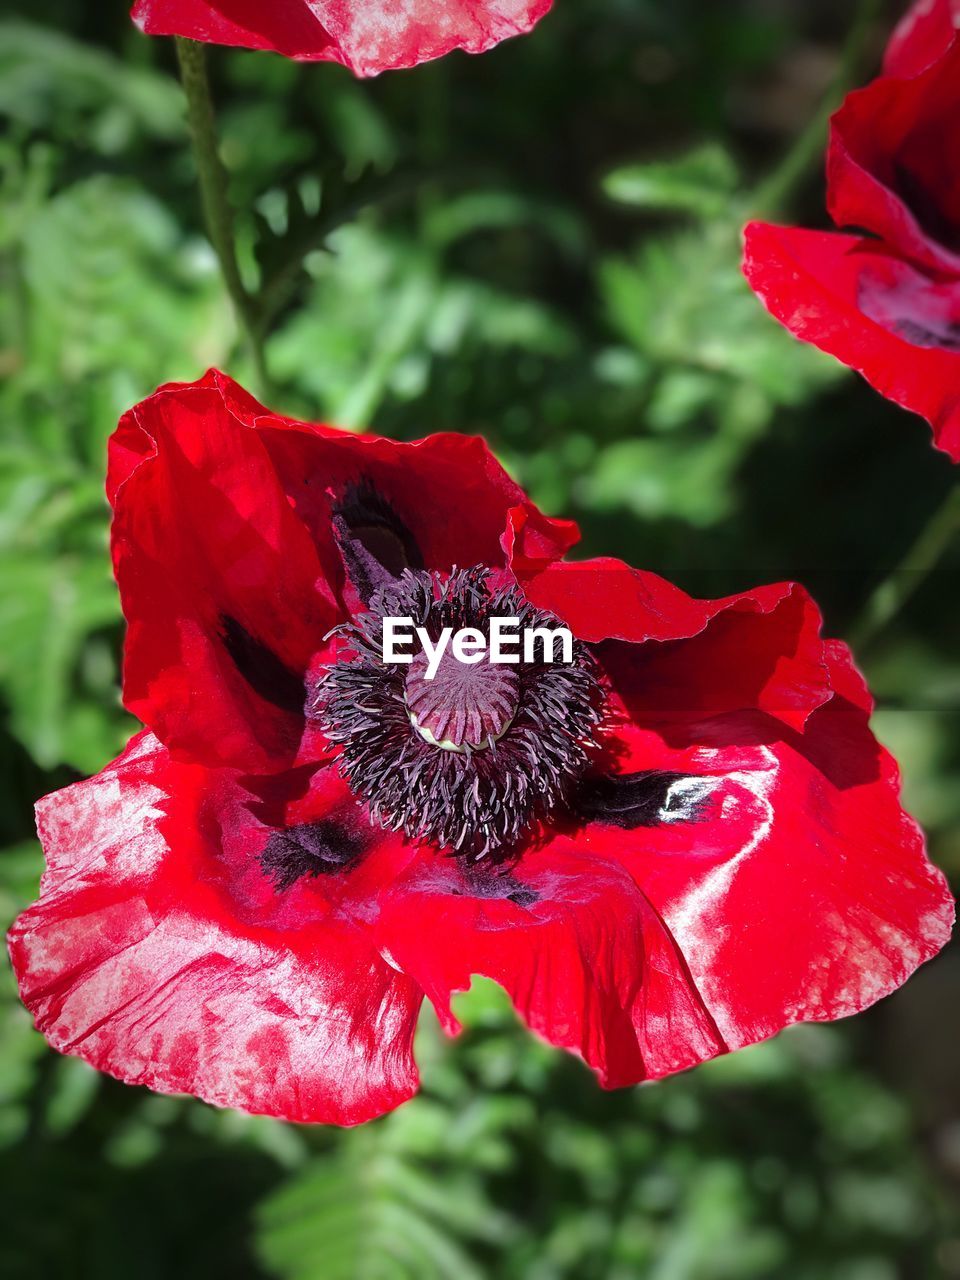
{"x":946,"y":337}
{"x":482,"y":883}
{"x":263,"y":671}
{"x":311,"y":849}
{"x":523,"y":896}
{"x":374,"y":542}
{"x":627,"y":799}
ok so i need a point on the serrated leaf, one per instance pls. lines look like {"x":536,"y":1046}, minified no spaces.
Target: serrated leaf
{"x":362,"y":1214}
{"x":110,"y":281}
{"x":306,"y":212}
{"x":681,"y":300}
{"x":699,"y":182}
{"x":49,"y":610}
{"x":382,"y":311}
{"x":50,"y":81}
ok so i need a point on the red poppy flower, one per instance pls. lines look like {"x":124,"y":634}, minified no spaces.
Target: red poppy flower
{"x":885,"y":300}
{"x":368,"y":36}
{"x":672,"y":844}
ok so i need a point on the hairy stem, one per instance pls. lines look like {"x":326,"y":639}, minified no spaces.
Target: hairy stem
{"x":772,"y":194}
{"x":889,"y":597}
{"x":217,"y":214}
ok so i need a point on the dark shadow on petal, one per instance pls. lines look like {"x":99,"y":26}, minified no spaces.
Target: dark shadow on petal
{"x":926,"y":206}
{"x":723,"y":668}
{"x":290,"y":29}
{"x":263,"y":671}
{"x":837,"y":739}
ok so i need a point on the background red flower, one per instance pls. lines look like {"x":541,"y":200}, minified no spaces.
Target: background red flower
{"x":368,"y":36}
{"x":886,"y":299}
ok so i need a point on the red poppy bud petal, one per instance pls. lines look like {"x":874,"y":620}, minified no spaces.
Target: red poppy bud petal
{"x":896,"y":326}
{"x":150,"y":973}
{"x":922,"y":35}
{"x":368,"y":36}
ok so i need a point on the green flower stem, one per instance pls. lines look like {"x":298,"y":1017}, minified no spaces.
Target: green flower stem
{"x":895,"y":590}
{"x":774,"y":192}
{"x":212,"y":176}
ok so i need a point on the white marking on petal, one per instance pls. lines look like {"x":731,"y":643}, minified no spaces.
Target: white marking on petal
{"x":700,"y":903}
{"x":385,"y":954}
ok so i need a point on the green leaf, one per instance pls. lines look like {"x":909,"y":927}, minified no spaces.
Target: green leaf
{"x":713,"y":368}
{"x":681,"y":300}
{"x":20,"y":1046}
{"x":477,"y":211}
{"x":61,"y":706}
{"x":77,"y":92}
{"x":297,"y":220}
{"x":110,"y":283}
{"x":364,"y":1214}
{"x":700,"y":182}
{"x":383,"y":311}
{"x":656,"y":478}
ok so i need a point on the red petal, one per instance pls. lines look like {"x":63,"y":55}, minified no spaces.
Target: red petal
{"x":142,"y":960}
{"x":221,"y":585}
{"x":585,"y":960}
{"x":603,"y":599}
{"x":290,"y":27}
{"x":448,"y":489}
{"x":922,"y":35}
{"x":369,"y":36}
{"x":532,"y":540}
{"x":885,"y":164}
{"x":771,"y":660}
{"x":228,"y":568}
{"x":760,"y":649}
{"x":789,"y":876}
{"x":880,"y":316}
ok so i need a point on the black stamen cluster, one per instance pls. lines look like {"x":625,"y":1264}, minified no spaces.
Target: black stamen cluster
{"x":477,"y":803}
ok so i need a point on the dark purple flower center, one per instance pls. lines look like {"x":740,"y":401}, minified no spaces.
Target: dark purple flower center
{"x":475,"y":758}
{"x":463,"y":707}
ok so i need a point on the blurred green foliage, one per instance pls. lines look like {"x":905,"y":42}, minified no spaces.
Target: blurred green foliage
{"x":540,"y":245}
